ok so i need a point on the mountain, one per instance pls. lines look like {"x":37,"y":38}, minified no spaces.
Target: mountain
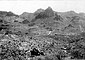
{"x":66,"y":22}
{"x":49,"y":11}
{"x":45,"y":14}
{"x":27,"y":16}
{"x":58,"y":22}
{"x":5,"y":13}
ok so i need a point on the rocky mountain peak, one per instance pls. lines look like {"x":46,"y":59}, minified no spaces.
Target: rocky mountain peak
{"x":49,"y":11}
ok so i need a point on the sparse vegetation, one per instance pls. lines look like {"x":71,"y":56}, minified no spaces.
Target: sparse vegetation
{"x":37,"y":37}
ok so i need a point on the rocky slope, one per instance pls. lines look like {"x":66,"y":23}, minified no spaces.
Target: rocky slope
{"x":65,"y":22}
{"x":42,"y":35}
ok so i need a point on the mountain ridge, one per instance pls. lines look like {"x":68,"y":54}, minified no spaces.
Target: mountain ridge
{"x":48,"y":19}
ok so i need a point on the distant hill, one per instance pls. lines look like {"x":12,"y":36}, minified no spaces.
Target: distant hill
{"x":28,"y":16}
{"x":61,"y":22}
{"x":4,"y":13}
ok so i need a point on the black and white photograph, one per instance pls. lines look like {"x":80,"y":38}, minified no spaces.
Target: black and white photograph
{"x":42,"y":29}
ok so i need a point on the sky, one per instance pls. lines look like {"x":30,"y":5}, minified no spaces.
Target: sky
{"x":20,"y":6}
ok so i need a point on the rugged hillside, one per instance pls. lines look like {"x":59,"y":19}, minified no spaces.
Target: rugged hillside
{"x":65,"y":22}
{"x":42,"y":35}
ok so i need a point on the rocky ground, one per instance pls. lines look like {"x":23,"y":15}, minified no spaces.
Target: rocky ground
{"x":42,"y":35}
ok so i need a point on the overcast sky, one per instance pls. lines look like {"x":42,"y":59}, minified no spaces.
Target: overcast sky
{"x":20,"y":6}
